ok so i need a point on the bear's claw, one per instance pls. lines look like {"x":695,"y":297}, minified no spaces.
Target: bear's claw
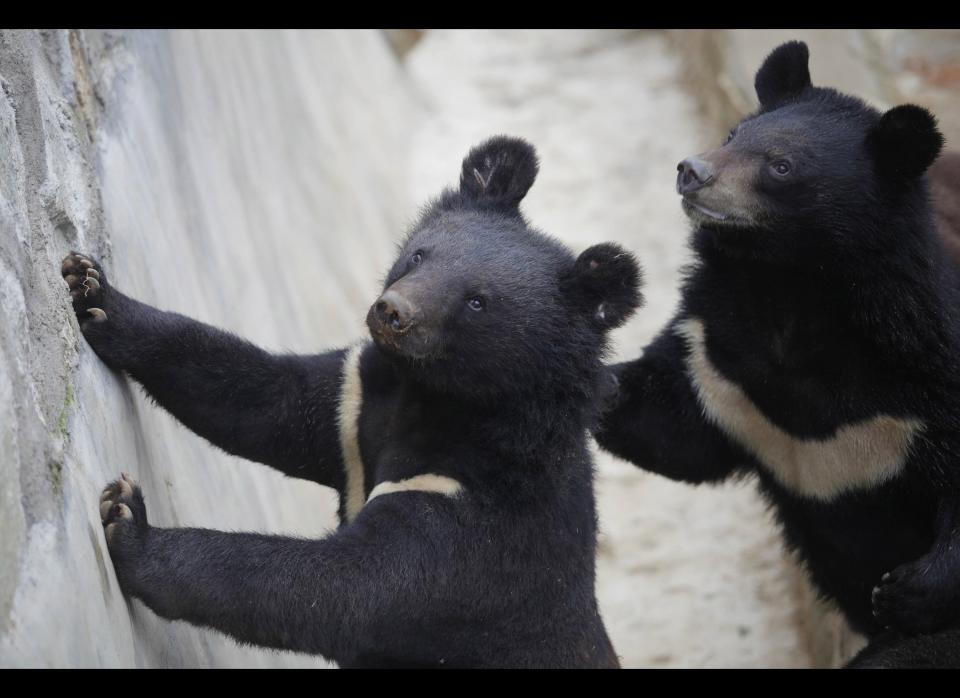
{"x":121,"y":504}
{"x":88,"y":287}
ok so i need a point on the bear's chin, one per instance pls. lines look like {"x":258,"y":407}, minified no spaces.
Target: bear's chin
{"x":403,"y":349}
{"x":703,"y":215}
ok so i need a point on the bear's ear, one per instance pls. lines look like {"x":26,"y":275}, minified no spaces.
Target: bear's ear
{"x":605,"y":282}
{"x":499,"y":172}
{"x":905,"y":142}
{"x":783,"y":75}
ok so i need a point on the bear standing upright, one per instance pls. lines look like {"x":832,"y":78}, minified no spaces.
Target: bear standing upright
{"x":817,"y":345}
{"x":457,"y":440}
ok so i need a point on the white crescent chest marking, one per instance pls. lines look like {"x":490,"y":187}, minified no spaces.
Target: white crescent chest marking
{"x":428,"y":482}
{"x":348,"y":417}
{"x":858,"y":456}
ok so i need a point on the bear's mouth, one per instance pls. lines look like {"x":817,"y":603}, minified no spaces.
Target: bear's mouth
{"x":402,"y":350}
{"x":722,"y":219}
{"x":392,"y":341}
{"x":696,"y":210}
{"x":410,"y":344}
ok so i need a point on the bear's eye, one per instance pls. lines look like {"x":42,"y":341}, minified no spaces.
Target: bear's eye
{"x":416,"y":258}
{"x":781,"y":167}
{"x":477,"y":303}
{"x":733,"y":132}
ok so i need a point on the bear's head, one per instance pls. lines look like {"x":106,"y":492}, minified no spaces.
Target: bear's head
{"x":480,"y":304}
{"x":813,"y":173}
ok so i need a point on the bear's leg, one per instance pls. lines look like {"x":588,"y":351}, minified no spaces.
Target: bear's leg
{"x":657,"y":423}
{"x":315,"y":596}
{"x":923,"y":596}
{"x":280,"y":410}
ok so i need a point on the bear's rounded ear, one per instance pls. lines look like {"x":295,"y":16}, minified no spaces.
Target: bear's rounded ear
{"x":605,"y":281}
{"x":783,"y":75}
{"x":905,"y":142}
{"x":499,"y":172}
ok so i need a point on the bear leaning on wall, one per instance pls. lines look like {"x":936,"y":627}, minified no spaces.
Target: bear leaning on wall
{"x":457,"y":441}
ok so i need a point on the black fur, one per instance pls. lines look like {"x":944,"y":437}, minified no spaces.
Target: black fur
{"x":905,"y":142}
{"x":606,"y":280}
{"x":486,"y":368}
{"x":784,"y":74}
{"x":499,"y":173}
{"x":826,"y":296}
{"x":893,"y":651}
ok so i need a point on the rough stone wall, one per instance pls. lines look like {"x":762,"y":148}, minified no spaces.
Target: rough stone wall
{"x":225,"y":175}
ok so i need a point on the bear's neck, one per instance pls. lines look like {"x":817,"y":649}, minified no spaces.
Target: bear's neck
{"x":526,"y":428}
{"x":898,"y":294}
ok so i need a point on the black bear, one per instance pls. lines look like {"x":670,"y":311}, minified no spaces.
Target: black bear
{"x":816,"y":345}
{"x":457,"y":440}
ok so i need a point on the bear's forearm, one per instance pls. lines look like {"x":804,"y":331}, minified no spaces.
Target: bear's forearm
{"x":657,"y":424}
{"x":280,"y":410}
{"x":272,"y":591}
{"x":923,"y":595}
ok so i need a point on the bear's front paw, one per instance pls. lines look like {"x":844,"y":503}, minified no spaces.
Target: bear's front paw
{"x":915,"y":598}
{"x":124,"y":517}
{"x":88,"y":288}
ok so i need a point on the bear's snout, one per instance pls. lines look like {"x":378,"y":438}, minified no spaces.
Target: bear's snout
{"x":692,"y":174}
{"x":393,"y":312}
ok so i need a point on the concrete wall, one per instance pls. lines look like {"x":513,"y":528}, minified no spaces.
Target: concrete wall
{"x":225,"y":175}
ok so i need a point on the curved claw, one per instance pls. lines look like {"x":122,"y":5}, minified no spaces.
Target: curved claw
{"x":91,"y":284}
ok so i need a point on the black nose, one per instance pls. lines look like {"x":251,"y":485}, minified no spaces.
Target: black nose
{"x":394,"y":312}
{"x":693,"y":173}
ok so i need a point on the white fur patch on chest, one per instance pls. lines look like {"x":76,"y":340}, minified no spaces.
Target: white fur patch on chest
{"x":348,"y":417}
{"x":351,"y":403}
{"x":858,"y":456}
{"x":428,"y":482}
